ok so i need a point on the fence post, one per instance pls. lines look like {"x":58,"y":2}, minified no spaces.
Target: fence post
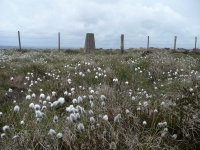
{"x":19,"y":40}
{"x":122,"y":43}
{"x":89,"y":43}
{"x":148,"y":43}
{"x":195,"y":46}
{"x":175,"y":38}
{"x":59,"y":41}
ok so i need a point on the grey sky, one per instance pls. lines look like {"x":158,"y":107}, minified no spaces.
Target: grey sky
{"x":136,"y":19}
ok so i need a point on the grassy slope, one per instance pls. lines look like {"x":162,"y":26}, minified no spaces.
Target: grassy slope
{"x":164,"y":81}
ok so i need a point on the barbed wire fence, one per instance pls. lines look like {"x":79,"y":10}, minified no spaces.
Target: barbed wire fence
{"x":29,"y":40}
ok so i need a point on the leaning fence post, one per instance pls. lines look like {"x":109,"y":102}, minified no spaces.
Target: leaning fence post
{"x":122,"y":43}
{"x":59,"y":41}
{"x":19,"y":40}
{"x":148,"y":43}
{"x":195,"y":46}
{"x":175,"y":38}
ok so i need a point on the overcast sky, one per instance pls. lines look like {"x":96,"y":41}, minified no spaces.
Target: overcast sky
{"x":39,"y":22}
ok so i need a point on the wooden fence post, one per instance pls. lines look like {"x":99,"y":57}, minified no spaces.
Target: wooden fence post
{"x":148,"y":43}
{"x":89,"y":43}
{"x":195,"y":46}
{"x":175,"y":38}
{"x":19,"y":40}
{"x":59,"y":41}
{"x":122,"y":43}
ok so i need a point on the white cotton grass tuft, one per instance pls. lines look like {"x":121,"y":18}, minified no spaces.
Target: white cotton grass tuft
{"x":92,"y":120}
{"x":3,"y":135}
{"x":144,"y":123}
{"x":10,"y":90}
{"x":133,"y":98}
{"x":61,"y":100}
{"x":15,"y":137}
{"x":28,"y":97}
{"x":33,"y":95}
{"x":36,"y":107}
{"x":105,"y":117}
{"x":5,"y":128}
{"x":53,"y":93}
{"x":80,"y":99}
{"x":55,"y":119}
{"x":103,"y":98}
{"x":22,"y":122}
{"x":16,"y":108}
{"x":32,"y":105}
{"x":81,"y":127}
{"x":39,"y":114}
{"x":145,"y":104}
{"x":117,"y":118}
{"x":59,"y":135}
{"x":48,"y":98}
{"x":42,"y":96}
{"x":52,"y":132}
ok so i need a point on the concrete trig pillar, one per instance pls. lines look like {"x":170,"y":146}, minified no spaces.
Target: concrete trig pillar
{"x":89,"y":43}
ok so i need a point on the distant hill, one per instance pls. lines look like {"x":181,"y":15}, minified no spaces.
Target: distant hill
{"x":7,"y":47}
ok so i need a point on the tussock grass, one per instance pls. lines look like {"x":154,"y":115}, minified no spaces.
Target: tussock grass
{"x":151,"y":100}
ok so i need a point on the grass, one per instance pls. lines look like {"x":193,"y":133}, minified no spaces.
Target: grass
{"x":157,"y":87}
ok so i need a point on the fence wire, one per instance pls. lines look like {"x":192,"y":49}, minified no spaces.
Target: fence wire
{"x":69,"y":40}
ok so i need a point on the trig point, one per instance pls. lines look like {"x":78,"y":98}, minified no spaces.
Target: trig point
{"x":89,"y":43}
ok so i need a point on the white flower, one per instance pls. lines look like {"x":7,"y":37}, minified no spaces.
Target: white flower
{"x":69,"y":81}
{"x":65,"y":93}
{"x":162,"y":104}
{"x":155,"y":110}
{"x":59,"y":135}
{"x":15,"y":137}
{"x":133,"y":98}
{"x":126,"y":82}
{"x":28,"y":97}
{"x":91,"y":112}
{"x":145,"y":104}
{"x":52,"y":132}
{"x":92,"y":120}
{"x":74,"y":101}
{"x":11,"y":78}
{"x":39,"y":114}
{"x":144,"y":123}
{"x":5,"y":128}
{"x":127,"y":111}
{"x":61,"y":100}
{"x":3,"y":135}
{"x":48,"y":98}
{"x":73,"y":117}
{"x":22,"y":122}
{"x":117,"y":118}
{"x":55,"y":119}
{"x":105,"y":117}
{"x":36,"y":106}
{"x":53,"y":93}
{"x":81,"y":127}
{"x":1,"y":113}
{"x":33,"y":95}
{"x":103,"y":98}
{"x":31,"y":105}
{"x":174,"y":136}
{"x":80,"y":99}
{"x":16,"y":108}
{"x":10,"y":90}
{"x":42,"y":96}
